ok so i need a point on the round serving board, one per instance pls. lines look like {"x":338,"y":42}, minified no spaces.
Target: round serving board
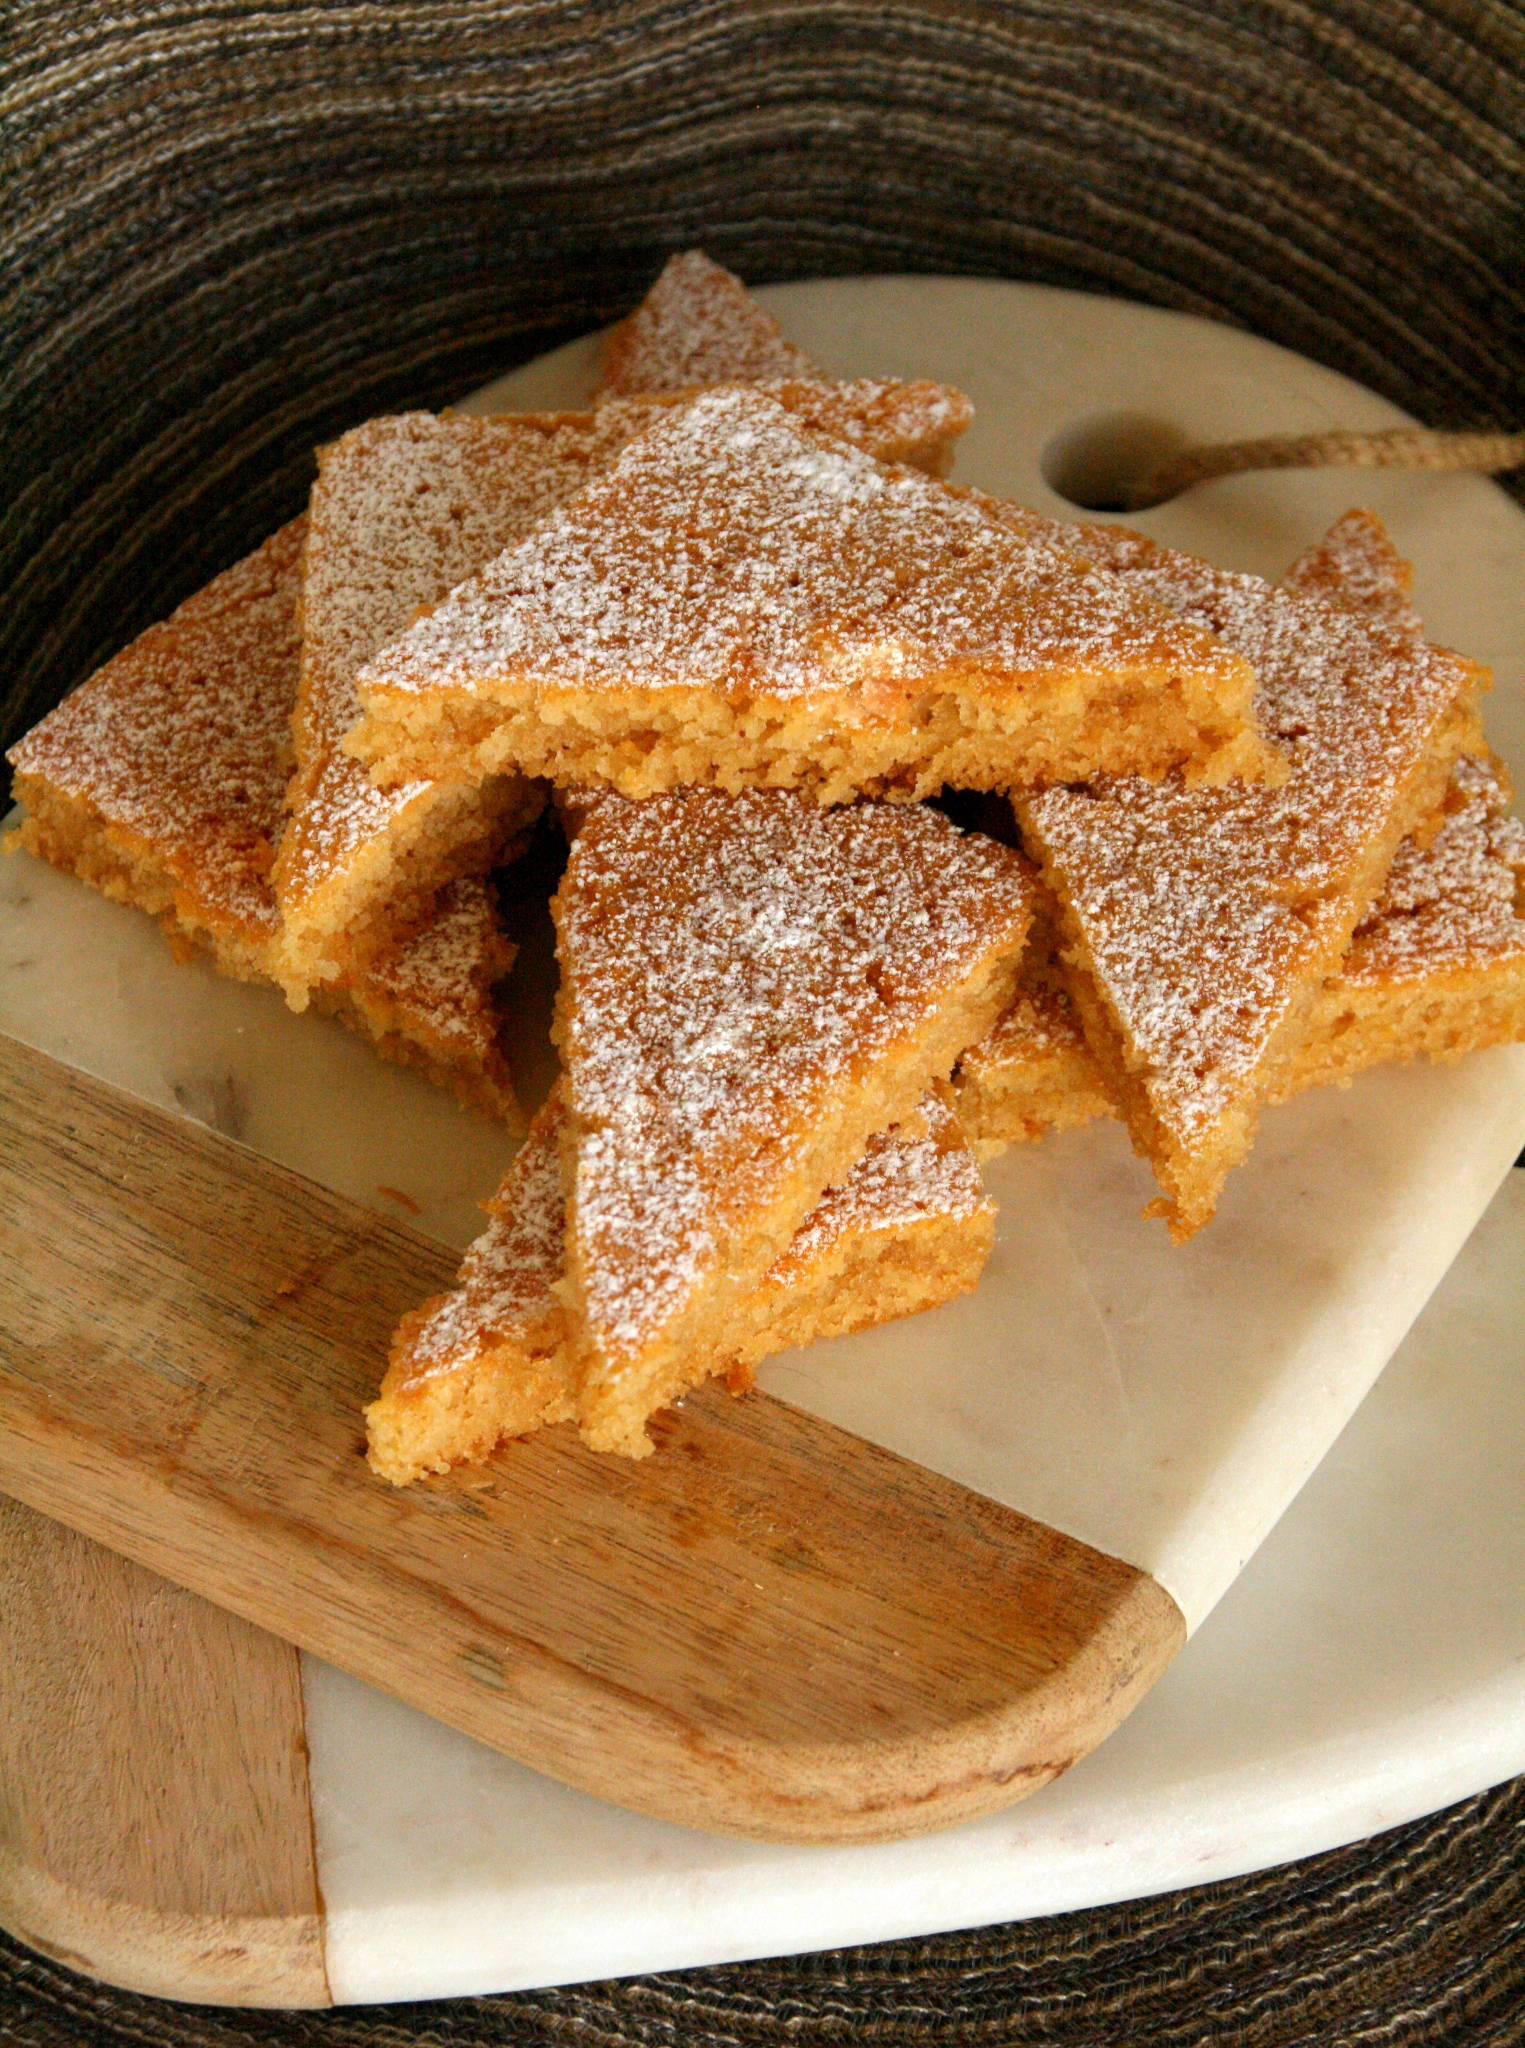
{"x":1163,"y":1406}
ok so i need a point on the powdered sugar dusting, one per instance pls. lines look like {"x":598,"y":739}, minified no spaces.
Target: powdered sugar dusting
{"x":506,"y":1290}
{"x":1457,"y":900}
{"x":404,"y":508}
{"x":732,"y":966}
{"x":182,"y":738}
{"x":907,"y":1176}
{"x":1040,"y":1024}
{"x":444,"y":973}
{"x":730,"y":550}
{"x":1356,"y":564}
{"x":697,"y":325}
{"x":504,"y":1293}
{"x":1205,"y":911}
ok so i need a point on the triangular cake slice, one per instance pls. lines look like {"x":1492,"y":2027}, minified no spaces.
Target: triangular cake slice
{"x":751,"y":987}
{"x":743,"y":603}
{"x":160,"y":782}
{"x":1032,"y":1072}
{"x":1436,"y":969}
{"x":1198,"y":925}
{"x":697,"y":325}
{"x":404,"y":508}
{"x":909,"y":1229}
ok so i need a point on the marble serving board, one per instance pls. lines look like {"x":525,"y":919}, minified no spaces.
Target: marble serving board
{"x":1163,"y":1405}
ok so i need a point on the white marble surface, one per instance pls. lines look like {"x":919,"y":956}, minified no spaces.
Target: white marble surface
{"x":1368,"y":1666}
{"x":1165,"y":1404}
{"x":1162,"y":1403}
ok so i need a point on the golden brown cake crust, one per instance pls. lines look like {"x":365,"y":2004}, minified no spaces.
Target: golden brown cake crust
{"x":490,"y":1359}
{"x":160,"y":781}
{"x":742,"y":603}
{"x":698,"y":324}
{"x":179,"y":745}
{"x":405,"y":508}
{"x":1436,"y":969}
{"x":1032,"y":1072}
{"x":1198,"y":923}
{"x":751,"y":986}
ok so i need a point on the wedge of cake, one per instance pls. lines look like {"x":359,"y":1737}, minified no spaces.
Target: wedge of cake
{"x":1199,"y":925}
{"x":740,"y":602}
{"x":160,"y":781}
{"x":751,"y":987}
{"x":908,"y":1229}
{"x":1032,"y":1072}
{"x":405,"y":508}
{"x":697,"y":325}
{"x":1436,"y":969}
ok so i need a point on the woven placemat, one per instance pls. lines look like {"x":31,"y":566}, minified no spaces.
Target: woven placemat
{"x":1413,"y":1937}
{"x":230,"y":231}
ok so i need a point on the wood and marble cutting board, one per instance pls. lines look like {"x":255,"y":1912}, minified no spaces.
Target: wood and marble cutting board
{"x":854,"y":1623}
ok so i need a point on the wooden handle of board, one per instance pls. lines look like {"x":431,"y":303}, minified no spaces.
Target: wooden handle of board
{"x":770,"y":1628}
{"x":155,"y":1825}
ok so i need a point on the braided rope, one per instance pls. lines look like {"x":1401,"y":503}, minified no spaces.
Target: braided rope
{"x":1398,"y":448}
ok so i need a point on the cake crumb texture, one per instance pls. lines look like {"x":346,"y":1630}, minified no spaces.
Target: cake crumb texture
{"x":1199,"y":922}
{"x":751,"y":987}
{"x":697,"y":325}
{"x":160,"y":781}
{"x":741,"y":602}
{"x":489,"y":1360}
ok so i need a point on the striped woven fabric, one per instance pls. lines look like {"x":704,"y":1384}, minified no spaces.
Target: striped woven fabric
{"x":1413,"y":1940}
{"x":231,"y":230}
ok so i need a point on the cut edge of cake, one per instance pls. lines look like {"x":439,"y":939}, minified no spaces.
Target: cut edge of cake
{"x":697,"y":324}
{"x":1435,"y":971}
{"x":490,"y":1359}
{"x":97,"y":782}
{"x":820,"y":971}
{"x":739,"y":602}
{"x":1197,"y":927}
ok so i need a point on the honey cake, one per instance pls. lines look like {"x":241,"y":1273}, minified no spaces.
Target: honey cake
{"x":1356,"y":564}
{"x":160,"y":781}
{"x":1198,"y":925}
{"x":1435,"y":970}
{"x":404,"y":508}
{"x":739,"y":602}
{"x":909,"y":1229}
{"x":697,"y":325}
{"x":1032,"y":1072}
{"x":751,"y":987}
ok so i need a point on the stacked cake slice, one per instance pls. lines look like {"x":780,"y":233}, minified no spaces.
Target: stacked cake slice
{"x":753,"y":987}
{"x":730,"y":628}
{"x":1222,"y":961}
{"x":161,"y":781}
{"x":1197,"y":925}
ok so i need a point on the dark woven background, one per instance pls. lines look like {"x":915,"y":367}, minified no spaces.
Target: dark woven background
{"x":229,"y":231}
{"x":1411,"y":1939}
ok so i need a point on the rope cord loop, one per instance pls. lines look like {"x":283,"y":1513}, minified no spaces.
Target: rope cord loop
{"x":1398,"y":448}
